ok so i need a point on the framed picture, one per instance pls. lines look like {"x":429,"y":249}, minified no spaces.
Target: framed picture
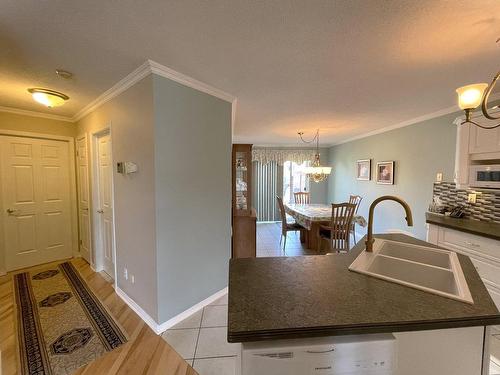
{"x":364,"y":169}
{"x":385,"y":172}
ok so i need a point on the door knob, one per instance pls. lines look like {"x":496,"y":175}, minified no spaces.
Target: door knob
{"x":100,"y":211}
{"x":10,"y":211}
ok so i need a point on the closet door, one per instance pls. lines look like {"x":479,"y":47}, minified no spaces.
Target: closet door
{"x":35,"y":186}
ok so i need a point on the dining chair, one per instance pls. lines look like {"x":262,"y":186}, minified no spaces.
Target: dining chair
{"x":285,"y":225}
{"x":302,"y":197}
{"x":338,"y":232}
{"x":355,"y":199}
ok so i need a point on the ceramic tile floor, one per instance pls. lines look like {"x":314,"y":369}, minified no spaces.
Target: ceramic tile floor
{"x":201,"y":340}
{"x":268,"y":242}
{"x":495,"y":353}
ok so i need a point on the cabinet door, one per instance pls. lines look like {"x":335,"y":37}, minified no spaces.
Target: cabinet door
{"x":484,"y":140}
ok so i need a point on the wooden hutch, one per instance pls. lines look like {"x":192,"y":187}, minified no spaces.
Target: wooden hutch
{"x":244,"y":216}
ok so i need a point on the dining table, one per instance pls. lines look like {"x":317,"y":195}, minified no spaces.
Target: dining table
{"x":311,"y":216}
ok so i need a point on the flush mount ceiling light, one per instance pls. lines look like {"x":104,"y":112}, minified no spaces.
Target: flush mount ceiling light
{"x":48,"y":98}
{"x":316,"y":172}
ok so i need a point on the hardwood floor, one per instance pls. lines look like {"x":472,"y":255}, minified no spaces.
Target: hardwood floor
{"x":144,"y":353}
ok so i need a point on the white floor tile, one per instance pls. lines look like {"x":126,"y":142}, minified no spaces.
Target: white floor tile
{"x":214,"y":316}
{"x":213,"y":343}
{"x":494,"y":369}
{"x":193,"y":321}
{"x":216,"y":366}
{"x":220,"y":301}
{"x":182,"y":340}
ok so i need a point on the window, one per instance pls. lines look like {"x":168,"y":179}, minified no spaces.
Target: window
{"x":294,"y":180}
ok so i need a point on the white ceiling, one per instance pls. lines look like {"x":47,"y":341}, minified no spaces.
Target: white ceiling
{"x":347,"y":67}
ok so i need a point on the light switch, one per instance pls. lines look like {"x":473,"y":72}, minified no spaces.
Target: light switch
{"x":439,"y":177}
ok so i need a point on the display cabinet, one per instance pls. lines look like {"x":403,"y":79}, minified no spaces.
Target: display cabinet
{"x":244,"y":217}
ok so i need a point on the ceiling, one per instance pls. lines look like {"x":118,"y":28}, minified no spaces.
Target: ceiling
{"x":346,"y":67}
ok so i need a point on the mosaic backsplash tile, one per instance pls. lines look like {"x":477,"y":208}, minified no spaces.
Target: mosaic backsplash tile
{"x":486,"y":208}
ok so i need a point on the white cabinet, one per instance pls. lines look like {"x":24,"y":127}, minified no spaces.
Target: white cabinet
{"x":483,"y":140}
{"x":483,"y":252}
{"x":474,"y":145}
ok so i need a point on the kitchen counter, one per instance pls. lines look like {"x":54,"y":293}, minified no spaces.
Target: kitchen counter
{"x":307,"y":296}
{"x":480,"y":228}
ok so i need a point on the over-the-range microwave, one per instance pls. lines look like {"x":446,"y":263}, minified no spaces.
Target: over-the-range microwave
{"x":485,"y":176}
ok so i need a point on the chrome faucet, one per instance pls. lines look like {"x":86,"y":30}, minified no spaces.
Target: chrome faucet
{"x":369,"y":237}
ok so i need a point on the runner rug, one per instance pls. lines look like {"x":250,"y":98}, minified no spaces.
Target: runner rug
{"x":61,"y":324}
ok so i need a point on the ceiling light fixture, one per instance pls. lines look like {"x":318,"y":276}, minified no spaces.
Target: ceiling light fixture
{"x":472,"y":96}
{"x":316,"y":172}
{"x":48,"y":98}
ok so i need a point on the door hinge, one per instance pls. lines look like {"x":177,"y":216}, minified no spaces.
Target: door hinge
{"x":77,"y":153}
{"x":81,"y":242}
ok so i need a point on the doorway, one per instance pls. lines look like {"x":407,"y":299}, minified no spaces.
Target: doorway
{"x":36,"y":221}
{"x":103,"y":197}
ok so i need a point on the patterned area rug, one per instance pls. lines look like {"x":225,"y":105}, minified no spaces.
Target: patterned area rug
{"x":61,"y":323}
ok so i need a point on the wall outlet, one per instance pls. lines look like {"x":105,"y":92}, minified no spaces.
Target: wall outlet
{"x":125,"y":273}
{"x":439,"y":177}
{"x":471,"y":198}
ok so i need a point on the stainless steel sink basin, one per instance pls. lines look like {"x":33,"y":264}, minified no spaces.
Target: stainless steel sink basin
{"x":431,"y":270}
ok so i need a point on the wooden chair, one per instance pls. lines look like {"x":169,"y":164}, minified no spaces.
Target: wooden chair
{"x":355,"y":199}
{"x":338,"y":232}
{"x":302,"y":197}
{"x":286,"y":226}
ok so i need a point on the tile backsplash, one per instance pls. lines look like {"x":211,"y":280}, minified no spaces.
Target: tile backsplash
{"x":486,"y":208}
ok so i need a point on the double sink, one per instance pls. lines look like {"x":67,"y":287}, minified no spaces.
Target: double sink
{"x":428,"y":269}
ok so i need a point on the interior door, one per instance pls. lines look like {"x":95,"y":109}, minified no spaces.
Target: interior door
{"x":105,"y":204}
{"x":83,"y":198}
{"x":35,"y":184}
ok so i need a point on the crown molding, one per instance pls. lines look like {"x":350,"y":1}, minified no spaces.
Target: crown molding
{"x":173,"y":75}
{"x":25,"y":112}
{"x":413,"y":121}
{"x":147,"y":68}
{"x":128,"y":81}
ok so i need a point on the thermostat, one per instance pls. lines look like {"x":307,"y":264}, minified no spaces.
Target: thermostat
{"x":126,"y":167}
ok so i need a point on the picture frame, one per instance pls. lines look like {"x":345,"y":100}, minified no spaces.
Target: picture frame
{"x":385,"y":172}
{"x":364,"y":169}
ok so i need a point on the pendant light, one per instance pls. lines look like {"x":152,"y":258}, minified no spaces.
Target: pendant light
{"x":316,"y":172}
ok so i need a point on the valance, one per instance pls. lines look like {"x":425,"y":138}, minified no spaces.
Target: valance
{"x":265,"y":155}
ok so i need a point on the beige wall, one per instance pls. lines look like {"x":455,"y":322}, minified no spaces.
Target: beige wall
{"x":11,"y":121}
{"x":130,"y":116}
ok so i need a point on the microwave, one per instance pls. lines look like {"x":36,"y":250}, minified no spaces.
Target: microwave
{"x":485,"y":176}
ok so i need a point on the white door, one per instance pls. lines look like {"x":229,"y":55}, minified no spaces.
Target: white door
{"x":105,"y":203}
{"x":35,"y":186}
{"x":83,"y":198}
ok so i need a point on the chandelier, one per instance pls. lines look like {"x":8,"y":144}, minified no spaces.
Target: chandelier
{"x":472,"y":96}
{"x":315,"y":172}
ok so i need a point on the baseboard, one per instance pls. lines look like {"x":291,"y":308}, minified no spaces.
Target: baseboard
{"x":138,"y":310}
{"x":183,"y":315}
{"x":160,"y":328}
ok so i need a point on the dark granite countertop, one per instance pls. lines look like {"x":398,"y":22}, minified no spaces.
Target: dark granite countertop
{"x":480,"y":228}
{"x":306,"y":296}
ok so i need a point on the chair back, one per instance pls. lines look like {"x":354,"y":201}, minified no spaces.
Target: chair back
{"x":356,"y":199}
{"x":340,"y":224}
{"x":282,"y":211}
{"x":302,"y":197}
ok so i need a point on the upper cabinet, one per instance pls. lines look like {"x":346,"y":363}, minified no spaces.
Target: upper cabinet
{"x":475,"y":145}
{"x":483,"y":140}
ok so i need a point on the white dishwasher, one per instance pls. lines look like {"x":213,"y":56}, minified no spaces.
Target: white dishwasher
{"x":340,"y":355}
